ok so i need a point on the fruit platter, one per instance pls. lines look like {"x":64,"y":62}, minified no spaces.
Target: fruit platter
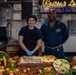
{"x":21,"y":65}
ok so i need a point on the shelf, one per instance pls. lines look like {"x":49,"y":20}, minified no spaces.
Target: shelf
{"x":35,"y":5}
{"x":15,"y":2}
{"x":16,"y":20}
{"x":17,"y":11}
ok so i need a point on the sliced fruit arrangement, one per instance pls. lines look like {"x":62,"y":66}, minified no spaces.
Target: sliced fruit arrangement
{"x":61,"y":65}
{"x":49,"y":58}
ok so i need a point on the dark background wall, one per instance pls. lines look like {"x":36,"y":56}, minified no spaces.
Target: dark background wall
{"x":26,"y":8}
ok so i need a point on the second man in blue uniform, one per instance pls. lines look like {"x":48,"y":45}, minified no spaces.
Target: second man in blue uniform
{"x":55,"y":34}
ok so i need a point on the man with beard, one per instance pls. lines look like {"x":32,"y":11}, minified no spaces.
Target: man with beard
{"x":55,"y":34}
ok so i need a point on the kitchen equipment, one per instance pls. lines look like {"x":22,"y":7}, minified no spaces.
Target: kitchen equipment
{"x":9,"y":30}
{"x":3,"y":36}
{"x":6,"y":13}
{"x":72,"y":26}
{"x":2,"y":44}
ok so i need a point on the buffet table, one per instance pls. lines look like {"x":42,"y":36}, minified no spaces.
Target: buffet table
{"x":36,"y":65}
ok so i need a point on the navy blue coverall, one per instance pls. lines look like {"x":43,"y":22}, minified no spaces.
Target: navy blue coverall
{"x":54,"y":38}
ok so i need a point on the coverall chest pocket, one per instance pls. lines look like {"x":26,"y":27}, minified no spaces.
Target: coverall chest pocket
{"x":58,"y":32}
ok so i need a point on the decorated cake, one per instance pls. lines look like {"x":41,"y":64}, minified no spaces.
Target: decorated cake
{"x":36,"y":61}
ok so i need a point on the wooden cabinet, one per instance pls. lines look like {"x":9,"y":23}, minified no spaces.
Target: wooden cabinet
{"x":12,"y":50}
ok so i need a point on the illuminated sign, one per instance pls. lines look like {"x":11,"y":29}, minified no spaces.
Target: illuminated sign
{"x":49,"y":3}
{"x":66,"y":9}
{"x":61,"y":6}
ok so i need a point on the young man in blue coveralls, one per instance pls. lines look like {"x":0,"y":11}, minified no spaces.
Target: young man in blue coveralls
{"x":55,"y":34}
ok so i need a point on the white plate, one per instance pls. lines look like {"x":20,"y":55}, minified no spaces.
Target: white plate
{"x":61,"y":65}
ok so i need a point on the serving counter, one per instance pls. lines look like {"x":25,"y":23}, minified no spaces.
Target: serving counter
{"x":12,"y":50}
